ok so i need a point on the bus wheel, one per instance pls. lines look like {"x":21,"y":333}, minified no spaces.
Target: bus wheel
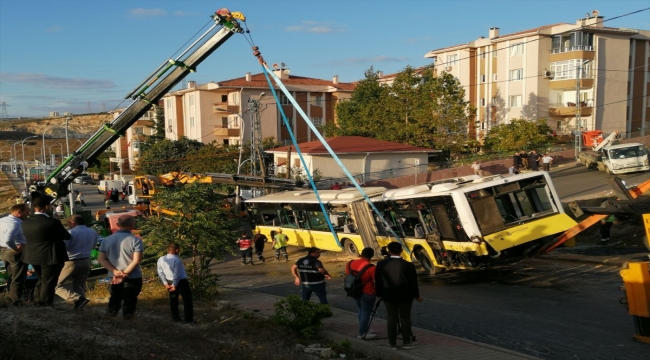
{"x":350,"y":247}
{"x":424,"y":260}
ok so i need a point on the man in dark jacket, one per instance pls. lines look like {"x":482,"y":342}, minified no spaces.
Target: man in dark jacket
{"x":45,"y":249}
{"x":396,"y":283}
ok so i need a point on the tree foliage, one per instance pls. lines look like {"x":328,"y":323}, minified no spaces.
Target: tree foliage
{"x":518,"y":134}
{"x":166,"y":156}
{"x":158,"y":129}
{"x":204,"y":225}
{"x":102,"y":164}
{"x":417,"y":109}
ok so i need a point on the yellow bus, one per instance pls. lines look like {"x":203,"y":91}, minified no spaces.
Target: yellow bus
{"x":459,"y":223}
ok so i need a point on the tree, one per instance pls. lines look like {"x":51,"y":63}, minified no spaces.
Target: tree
{"x":158,"y":129}
{"x":213,"y":158}
{"x":167,"y":156}
{"x":201,"y":221}
{"x":102,"y":164}
{"x":417,"y":109}
{"x":518,"y":134}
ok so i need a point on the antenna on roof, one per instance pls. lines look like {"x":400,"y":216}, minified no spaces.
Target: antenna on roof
{"x":275,"y":66}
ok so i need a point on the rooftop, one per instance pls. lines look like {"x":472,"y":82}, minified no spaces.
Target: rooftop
{"x":259,"y":81}
{"x":354,"y":145}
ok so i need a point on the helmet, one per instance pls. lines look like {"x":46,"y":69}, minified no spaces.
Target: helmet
{"x":257,"y":231}
{"x":279,"y":230}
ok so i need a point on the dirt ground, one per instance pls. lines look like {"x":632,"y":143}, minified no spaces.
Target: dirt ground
{"x":7,"y":193}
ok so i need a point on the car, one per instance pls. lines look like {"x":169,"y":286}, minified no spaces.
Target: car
{"x":84,"y":180}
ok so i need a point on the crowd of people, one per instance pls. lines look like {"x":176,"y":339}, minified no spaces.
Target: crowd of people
{"x":522,"y":160}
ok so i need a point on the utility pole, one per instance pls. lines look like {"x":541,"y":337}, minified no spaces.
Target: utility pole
{"x":579,"y":109}
{"x":254,"y":110}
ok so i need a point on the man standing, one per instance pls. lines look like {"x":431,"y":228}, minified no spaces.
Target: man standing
{"x":71,"y":285}
{"x":12,"y":243}
{"x":366,"y":302}
{"x":310,"y":275}
{"x":524,"y":159}
{"x":259,"y":239}
{"x":45,"y":249}
{"x":547,"y":160}
{"x":80,"y":199}
{"x":246,"y":249}
{"x":121,"y":254}
{"x":533,"y":160}
{"x":516,"y":160}
{"x":279,"y":244}
{"x":396,"y":284}
{"x":173,"y":276}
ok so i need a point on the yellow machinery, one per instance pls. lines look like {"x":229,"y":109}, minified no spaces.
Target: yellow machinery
{"x":637,"y":291}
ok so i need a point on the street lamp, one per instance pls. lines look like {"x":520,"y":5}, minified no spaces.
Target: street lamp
{"x":24,"y":167}
{"x":578,"y":107}
{"x":15,"y":158}
{"x":60,"y":147}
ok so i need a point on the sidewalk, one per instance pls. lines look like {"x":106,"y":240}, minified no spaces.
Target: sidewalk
{"x":343,"y":327}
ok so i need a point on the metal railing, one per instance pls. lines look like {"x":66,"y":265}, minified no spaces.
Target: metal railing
{"x":572,"y":48}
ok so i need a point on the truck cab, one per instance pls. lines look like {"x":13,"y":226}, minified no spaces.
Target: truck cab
{"x":625,"y":158}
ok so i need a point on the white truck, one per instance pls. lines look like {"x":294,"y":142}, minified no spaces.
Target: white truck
{"x":614,"y":158}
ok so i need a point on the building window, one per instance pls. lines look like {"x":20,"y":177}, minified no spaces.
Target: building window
{"x":192,"y":122}
{"x":515,"y":101}
{"x":516,"y":49}
{"x":563,"y":70}
{"x":516,"y":74}
{"x":452,"y":60}
{"x":138,"y":130}
{"x":559,"y":125}
{"x":226,"y":142}
{"x":316,"y":121}
{"x":483,"y":55}
{"x":224,"y":121}
{"x":494,"y":77}
{"x":482,"y":101}
{"x":169,"y":104}
{"x":319,"y":100}
{"x":575,"y":41}
{"x":234,"y":120}
{"x":495,"y":52}
{"x":224,"y":98}
{"x":191,"y":100}
{"x":482,"y":78}
{"x":233,"y":98}
{"x":284,"y":100}
{"x":289,"y":120}
{"x":482,"y":125}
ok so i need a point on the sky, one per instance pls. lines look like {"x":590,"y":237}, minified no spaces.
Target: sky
{"x":85,"y":56}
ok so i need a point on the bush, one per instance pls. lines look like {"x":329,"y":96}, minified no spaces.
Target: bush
{"x":302,"y":317}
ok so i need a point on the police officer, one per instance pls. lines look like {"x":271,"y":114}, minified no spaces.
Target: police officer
{"x":310,"y":275}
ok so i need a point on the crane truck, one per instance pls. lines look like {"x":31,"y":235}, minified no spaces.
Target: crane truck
{"x":607,"y":154}
{"x":144,"y":96}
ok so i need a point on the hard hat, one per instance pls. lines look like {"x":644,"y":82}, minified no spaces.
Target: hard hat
{"x":279,"y":230}
{"x":257,"y":231}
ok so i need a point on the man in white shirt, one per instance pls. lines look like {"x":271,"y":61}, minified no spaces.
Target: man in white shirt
{"x":172,"y":275}
{"x":476,"y":166}
{"x":547,"y":160}
{"x":71,"y":285}
{"x":12,"y":242}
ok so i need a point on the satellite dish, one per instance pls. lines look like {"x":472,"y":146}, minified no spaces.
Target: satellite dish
{"x":595,"y":12}
{"x":283,"y":65}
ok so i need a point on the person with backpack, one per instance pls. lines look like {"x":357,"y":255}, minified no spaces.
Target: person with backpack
{"x":360,"y":285}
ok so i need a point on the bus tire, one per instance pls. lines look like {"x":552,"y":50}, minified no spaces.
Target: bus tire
{"x":350,"y":247}
{"x":428,"y":265}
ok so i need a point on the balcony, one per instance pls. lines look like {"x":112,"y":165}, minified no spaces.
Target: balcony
{"x":572,"y":48}
{"x":569,"y":109}
{"x":574,"y":52}
{"x":224,"y":106}
{"x":224,"y":131}
{"x":564,"y":83}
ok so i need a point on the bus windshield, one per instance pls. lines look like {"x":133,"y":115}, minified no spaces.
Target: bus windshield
{"x":499,"y":207}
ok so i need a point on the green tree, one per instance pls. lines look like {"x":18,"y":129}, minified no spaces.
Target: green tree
{"x":102,"y":164}
{"x":211,"y":158}
{"x":199,"y":219}
{"x":167,"y":155}
{"x":158,"y":129}
{"x":518,"y":134}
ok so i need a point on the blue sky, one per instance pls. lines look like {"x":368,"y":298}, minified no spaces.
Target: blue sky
{"x":84,"y":56}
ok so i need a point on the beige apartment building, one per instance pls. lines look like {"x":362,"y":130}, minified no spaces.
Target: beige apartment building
{"x":127,"y":147}
{"x":218,"y":112}
{"x":538,"y":74}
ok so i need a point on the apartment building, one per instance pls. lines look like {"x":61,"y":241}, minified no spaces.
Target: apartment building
{"x":127,"y":147}
{"x":583,"y":74}
{"x":218,"y":112}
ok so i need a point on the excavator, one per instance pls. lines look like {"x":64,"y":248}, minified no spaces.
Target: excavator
{"x":144,"y":96}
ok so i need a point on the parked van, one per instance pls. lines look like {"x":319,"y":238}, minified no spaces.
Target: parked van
{"x":105,"y":185}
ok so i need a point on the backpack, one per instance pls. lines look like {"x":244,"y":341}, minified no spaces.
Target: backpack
{"x":352,"y":282}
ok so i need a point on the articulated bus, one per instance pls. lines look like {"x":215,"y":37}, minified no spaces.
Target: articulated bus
{"x":460,"y":223}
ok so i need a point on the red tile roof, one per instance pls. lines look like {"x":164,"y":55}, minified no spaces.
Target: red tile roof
{"x":259,"y":81}
{"x":354,"y":145}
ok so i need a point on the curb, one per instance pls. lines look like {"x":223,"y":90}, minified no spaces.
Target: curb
{"x":381,"y":351}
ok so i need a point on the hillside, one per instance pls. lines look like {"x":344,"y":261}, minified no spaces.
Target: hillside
{"x":79,"y":126}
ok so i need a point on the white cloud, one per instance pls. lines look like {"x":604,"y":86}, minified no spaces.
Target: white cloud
{"x":316,"y":27}
{"x":185,"y":13}
{"x":54,"y":82}
{"x":141,"y":12}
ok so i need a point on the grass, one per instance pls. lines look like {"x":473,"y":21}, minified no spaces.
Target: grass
{"x":60,"y":333}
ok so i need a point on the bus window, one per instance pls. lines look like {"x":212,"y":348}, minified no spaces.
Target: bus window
{"x":317,"y":221}
{"x":301,"y":218}
{"x":287,"y":219}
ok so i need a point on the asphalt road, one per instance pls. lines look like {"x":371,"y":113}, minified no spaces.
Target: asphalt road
{"x":576,"y":182}
{"x":548,"y":309}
